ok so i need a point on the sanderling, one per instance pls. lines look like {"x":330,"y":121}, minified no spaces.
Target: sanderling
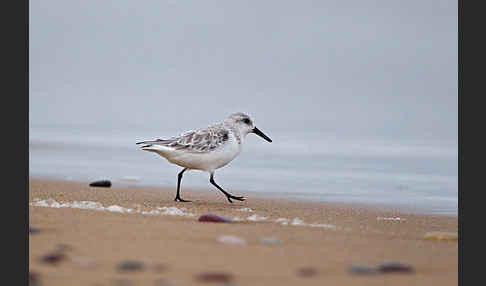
{"x":206,"y":149}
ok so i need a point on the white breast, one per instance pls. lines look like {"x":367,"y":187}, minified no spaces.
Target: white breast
{"x":208,"y":161}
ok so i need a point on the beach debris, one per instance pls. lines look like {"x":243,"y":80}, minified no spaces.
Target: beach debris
{"x":386,"y":267}
{"x":214,"y":218}
{"x":130,"y":266}
{"x":220,"y":277}
{"x":391,"y":218}
{"x":245,"y":210}
{"x":57,"y":255}
{"x":33,"y":230}
{"x":256,"y":217}
{"x":395,"y":267}
{"x":362,"y":269}
{"x":441,"y":236}
{"x":102,"y":183}
{"x":231,"y":239}
{"x":53,"y":258}
{"x":237,"y":218}
{"x":34,"y":278}
{"x":270,"y":240}
{"x":307,"y":271}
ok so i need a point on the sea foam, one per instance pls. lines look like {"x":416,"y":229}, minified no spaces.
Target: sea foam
{"x":89,"y":205}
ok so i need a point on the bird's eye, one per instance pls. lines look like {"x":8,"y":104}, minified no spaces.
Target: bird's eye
{"x":246,"y":121}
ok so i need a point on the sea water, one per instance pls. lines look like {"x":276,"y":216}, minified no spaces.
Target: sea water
{"x":417,"y":178}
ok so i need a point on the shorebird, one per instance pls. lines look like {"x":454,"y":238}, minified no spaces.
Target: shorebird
{"x":206,"y":149}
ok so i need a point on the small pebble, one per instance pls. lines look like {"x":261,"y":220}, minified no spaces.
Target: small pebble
{"x":307,"y":272}
{"x":53,"y":257}
{"x":441,"y":236}
{"x":33,"y":230}
{"x":231,"y":239}
{"x":214,"y":218}
{"x":214,"y":277}
{"x":103,"y":183}
{"x":362,"y":269}
{"x":395,"y":267}
{"x":270,"y":240}
{"x":130,"y":266}
{"x":34,"y":279}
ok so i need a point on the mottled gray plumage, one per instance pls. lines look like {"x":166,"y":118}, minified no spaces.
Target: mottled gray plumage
{"x":196,"y":141}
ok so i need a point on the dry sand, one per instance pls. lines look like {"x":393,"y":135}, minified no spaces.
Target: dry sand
{"x":176,"y":249}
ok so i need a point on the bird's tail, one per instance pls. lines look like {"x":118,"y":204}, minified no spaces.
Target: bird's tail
{"x":150,"y":142}
{"x":155,"y":146}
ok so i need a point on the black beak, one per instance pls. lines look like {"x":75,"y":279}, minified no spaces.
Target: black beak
{"x":259,"y":133}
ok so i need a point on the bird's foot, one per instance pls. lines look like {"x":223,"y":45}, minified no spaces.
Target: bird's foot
{"x":234,"y":198}
{"x":178,"y":199}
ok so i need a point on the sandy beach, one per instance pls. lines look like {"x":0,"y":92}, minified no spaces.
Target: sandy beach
{"x":278,"y":241}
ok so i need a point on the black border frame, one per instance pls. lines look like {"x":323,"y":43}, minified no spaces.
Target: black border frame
{"x":15,"y":120}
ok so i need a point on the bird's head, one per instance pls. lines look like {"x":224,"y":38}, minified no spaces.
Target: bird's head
{"x":245,"y":125}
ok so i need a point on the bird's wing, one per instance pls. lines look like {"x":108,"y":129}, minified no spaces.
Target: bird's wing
{"x":197,"y":141}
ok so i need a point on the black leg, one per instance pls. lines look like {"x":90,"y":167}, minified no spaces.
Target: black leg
{"x":228,"y":195}
{"x":179,"y":178}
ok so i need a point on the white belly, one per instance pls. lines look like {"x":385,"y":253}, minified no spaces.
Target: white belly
{"x":208,"y":161}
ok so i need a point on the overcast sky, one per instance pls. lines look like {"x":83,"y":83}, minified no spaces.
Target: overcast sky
{"x":367,"y":68}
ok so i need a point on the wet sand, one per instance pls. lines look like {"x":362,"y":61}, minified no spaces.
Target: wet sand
{"x":174,"y":250}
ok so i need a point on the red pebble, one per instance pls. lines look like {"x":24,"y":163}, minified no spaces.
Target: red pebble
{"x":214,"y":218}
{"x":53,"y":258}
